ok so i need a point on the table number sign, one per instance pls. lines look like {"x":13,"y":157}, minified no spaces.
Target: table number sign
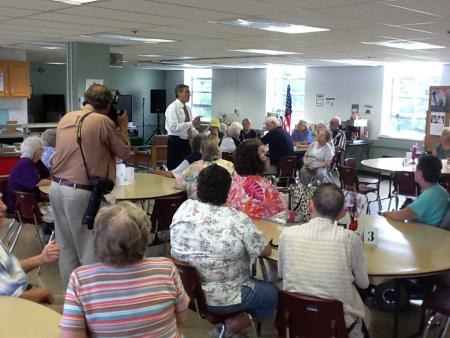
{"x":370,"y":236}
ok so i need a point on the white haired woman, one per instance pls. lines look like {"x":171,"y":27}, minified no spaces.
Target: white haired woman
{"x":49,"y":139}
{"x":29,"y":172}
{"x":231,"y":141}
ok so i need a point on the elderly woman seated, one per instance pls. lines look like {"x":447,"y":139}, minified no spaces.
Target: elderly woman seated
{"x":250,"y":192}
{"x":220,"y":242}
{"x":317,"y":159}
{"x":210,"y":154}
{"x":442,"y":149}
{"x":49,"y":139}
{"x":125,"y":294}
{"x":302,"y":135}
{"x":196,"y":155}
{"x":247,"y":131}
{"x":29,"y":172}
{"x":231,"y":141}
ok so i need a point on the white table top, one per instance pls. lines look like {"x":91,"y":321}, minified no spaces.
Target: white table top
{"x":392,"y":164}
{"x":20,"y":318}
{"x":404,"y":249}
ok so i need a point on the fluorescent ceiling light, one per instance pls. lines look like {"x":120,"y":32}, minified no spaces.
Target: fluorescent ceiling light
{"x":272,"y":26}
{"x":40,"y":46}
{"x":149,"y":55}
{"x":355,"y":62}
{"x":55,"y":63}
{"x":75,"y":2}
{"x":136,"y":38}
{"x":262,"y":51}
{"x":404,"y":44}
{"x":412,"y":56}
{"x":410,"y":9}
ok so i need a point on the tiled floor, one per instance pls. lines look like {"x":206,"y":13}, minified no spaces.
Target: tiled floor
{"x":381,"y":323}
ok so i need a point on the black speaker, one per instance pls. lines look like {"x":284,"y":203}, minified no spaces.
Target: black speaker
{"x":157,"y":101}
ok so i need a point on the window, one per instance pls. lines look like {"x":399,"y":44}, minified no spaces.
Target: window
{"x":405,"y":98}
{"x":278,"y":78}
{"x":200,"y":84}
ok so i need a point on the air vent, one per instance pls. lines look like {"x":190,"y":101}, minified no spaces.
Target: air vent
{"x":115,"y":59}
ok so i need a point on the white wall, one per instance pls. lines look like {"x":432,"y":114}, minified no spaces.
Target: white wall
{"x":347,"y":85}
{"x":445,"y":80}
{"x":243,"y":90}
{"x":17,"y":108}
{"x":173,"y":79}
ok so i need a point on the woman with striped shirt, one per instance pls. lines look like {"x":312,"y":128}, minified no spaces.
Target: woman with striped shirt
{"x":125,"y":294}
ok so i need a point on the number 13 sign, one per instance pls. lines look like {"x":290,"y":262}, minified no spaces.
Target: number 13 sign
{"x":371,"y":236}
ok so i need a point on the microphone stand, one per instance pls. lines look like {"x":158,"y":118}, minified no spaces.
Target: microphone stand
{"x":143,"y":117}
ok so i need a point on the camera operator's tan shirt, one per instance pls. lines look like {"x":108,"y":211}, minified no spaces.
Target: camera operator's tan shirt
{"x":102,"y":142}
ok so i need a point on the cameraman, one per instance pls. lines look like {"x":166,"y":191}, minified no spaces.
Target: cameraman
{"x":102,"y":141}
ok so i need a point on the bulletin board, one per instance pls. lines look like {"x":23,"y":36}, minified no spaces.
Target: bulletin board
{"x":438,"y":115}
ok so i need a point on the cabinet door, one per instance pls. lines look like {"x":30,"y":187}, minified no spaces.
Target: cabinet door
{"x":19,"y":79}
{"x":4,"y":78}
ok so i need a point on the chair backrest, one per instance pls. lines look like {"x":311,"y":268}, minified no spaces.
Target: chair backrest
{"x":192,"y":284}
{"x":287,"y":166}
{"x":335,"y":161}
{"x":404,"y":183}
{"x":309,"y":317}
{"x":27,"y":209}
{"x":227,"y":156}
{"x":349,"y":179}
{"x":350,"y":162}
{"x":4,"y":186}
{"x":164,"y":209}
{"x":445,"y":181}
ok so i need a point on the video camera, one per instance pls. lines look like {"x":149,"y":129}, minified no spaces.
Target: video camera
{"x":113,"y":112}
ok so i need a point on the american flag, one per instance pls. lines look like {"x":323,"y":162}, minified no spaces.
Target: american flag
{"x":288,"y":111}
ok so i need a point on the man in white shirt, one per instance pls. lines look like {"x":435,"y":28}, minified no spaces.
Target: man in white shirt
{"x":180,"y":127}
{"x":324,"y":260}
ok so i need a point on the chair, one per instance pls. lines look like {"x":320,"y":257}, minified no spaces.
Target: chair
{"x":159,"y":149}
{"x":405,"y":185}
{"x":286,"y":170}
{"x":439,"y":302}
{"x":305,"y":316}
{"x":4,"y":191}
{"x":334,"y":165}
{"x":27,"y":211}
{"x":350,"y":182}
{"x":351,"y":163}
{"x":227,"y":156}
{"x":162,"y":214}
{"x":192,"y":284}
{"x":445,"y":181}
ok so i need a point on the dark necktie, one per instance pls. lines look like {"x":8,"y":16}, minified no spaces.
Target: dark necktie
{"x":187,"y":119}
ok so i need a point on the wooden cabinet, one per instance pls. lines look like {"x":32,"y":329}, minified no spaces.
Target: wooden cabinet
{"x":4,"y":78}
{"x":16,"y":79}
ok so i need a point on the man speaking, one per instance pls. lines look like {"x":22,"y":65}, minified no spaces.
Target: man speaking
{"x":180,"y":127}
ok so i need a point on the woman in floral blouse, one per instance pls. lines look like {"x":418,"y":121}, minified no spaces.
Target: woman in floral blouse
{"x":210,"y":154}
{"x":219,"y":242}
{"x":250,"y":192}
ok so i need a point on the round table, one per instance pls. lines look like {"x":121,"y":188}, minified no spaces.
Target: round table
{"x":404,"y":249}
{"x":392,"y":164}
{"x":23,"y":318}
{"x":145,"y":186}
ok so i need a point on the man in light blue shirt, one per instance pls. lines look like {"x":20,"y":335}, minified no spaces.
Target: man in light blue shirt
{"x":432,"y":204}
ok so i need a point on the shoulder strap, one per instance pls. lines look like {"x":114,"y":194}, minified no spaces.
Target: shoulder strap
{"x":80,"y":123}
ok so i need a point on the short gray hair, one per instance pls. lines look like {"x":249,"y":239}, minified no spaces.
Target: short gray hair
{"x":223,"y":127}
{"x":234,"y":130}
{"x":121,"y":234}
{"x":273,"y":119}
{"x":446,"y":131}
{"x":49,"y":138}
{"x":30,"y":146}
{"x":210,"y":150}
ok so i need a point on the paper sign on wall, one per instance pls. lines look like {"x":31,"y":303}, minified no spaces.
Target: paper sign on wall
{"x":319,"y":100}
{"x":2,"y":86}
{"x":437,"y":123}
{"x":90,"y":82}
